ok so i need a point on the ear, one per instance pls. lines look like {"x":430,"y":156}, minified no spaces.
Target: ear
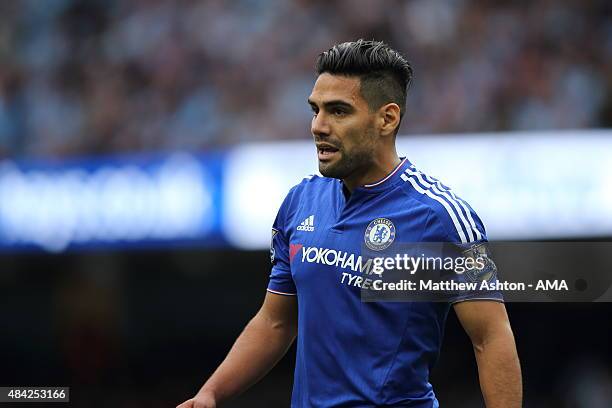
{"x":389,"y":118}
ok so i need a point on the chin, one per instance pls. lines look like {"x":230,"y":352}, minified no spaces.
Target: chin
{"x":332,"y":170}
{"x":326,"y":169}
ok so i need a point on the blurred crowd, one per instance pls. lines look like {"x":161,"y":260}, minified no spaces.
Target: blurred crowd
{"x":95,"y":77}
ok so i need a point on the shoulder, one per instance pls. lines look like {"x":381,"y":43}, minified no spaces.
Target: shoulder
{"x":315,"y":181}
{"x":310,"y":186}
{"x":451,"y":218}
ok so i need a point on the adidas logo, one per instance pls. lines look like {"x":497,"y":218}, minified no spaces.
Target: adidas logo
{"x":307,"y":224}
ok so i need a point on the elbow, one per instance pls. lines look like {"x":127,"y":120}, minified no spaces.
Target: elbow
{"x":500,"y":338}
{"x":282,"y":325}
{"x":286,"y":326}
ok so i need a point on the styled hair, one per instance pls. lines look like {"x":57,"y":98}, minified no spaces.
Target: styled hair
{"x":384,"y":73}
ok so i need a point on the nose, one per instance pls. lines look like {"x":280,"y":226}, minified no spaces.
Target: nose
{"x":320,"y":126}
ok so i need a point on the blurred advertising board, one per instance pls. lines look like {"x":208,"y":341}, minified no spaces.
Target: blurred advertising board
{"x":524,"y":185}
{"x":111,"y":202}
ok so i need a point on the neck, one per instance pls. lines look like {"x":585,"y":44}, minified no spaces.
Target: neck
{"x":379,"y":168}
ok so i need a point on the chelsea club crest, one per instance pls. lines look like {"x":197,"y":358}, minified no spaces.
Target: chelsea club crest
{"x":379,"y":234}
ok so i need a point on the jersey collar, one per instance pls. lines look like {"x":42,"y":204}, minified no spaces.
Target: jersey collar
{"x":389,"y":181}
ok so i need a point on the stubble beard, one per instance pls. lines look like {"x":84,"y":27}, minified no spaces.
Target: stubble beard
{"x":353,"y":162}
{"x":348,"y":164}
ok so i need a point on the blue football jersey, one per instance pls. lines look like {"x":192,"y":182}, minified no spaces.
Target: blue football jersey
{"x":352,"y":353}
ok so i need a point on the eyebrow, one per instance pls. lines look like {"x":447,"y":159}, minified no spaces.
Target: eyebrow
{"x":338,"y":103}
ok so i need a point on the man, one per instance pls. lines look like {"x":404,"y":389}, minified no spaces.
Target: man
{"x":352,"y":353}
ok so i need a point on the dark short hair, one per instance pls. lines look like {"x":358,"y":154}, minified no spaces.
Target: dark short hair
{"x":384,"y":73}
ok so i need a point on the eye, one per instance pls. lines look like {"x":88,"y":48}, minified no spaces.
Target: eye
{"x":338,"y":112}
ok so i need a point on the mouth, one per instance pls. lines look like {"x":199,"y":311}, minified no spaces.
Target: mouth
{"x":326,"y":151}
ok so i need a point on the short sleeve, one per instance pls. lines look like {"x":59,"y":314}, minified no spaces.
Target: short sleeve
{"x":281,"y":281}
{"x":473,"y":266}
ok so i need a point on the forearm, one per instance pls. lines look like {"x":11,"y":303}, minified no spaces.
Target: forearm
{"x":260,"y":346}
{"x":499,"y":371}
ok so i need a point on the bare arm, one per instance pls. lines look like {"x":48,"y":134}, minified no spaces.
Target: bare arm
{"x":499,"y":371}
{"x":263,"y":342}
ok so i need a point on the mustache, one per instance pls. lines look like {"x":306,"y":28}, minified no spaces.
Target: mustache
{"x":330,"y":143}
